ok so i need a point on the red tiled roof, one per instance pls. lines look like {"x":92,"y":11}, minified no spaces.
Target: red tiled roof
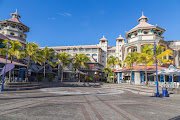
{"x":2,"y":60}
{"x":142,"y":24}
{"x":142,"y":68}
{"x":111,"y":48}
{"x":14,"y":20}
{"x":71,"y":47}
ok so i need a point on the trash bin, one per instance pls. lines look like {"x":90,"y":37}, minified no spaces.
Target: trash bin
{"x":164,"y":92}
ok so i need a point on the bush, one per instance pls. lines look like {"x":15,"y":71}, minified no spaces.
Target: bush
{"x":89,"y":79}
{"x":51,"y":77}
{"x":40,"y":78}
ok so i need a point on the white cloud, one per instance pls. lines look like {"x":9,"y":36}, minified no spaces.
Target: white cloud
{"x":65,"y":14}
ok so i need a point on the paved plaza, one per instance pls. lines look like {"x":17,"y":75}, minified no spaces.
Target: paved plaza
{"x":85,"y":103}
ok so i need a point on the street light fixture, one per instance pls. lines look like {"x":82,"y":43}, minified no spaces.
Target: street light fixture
{"x":157,"y":94}
{"x":2,"y":86}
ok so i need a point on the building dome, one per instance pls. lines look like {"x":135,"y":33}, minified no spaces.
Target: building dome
{"x":143,"y":18}
{"x":103,"y":38}
{"x":120,"y":38}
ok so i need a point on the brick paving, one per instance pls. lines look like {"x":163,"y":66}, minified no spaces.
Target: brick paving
{"x":85,"y":103}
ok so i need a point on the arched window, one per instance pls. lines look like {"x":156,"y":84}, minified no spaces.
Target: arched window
{"x":21,"y":36}
{"x":94,"y":55}
{"x":11,"y":33}
{"x":88,"y":55}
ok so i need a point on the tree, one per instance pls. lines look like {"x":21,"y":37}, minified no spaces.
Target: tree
{"x":146,"y":58}
{"x":107,"y":70}
{"x":130,"y":60}
{"x":31,"y":53}
{"x":65,"y":60}
{"x":47,"y":56}
{"x":113,"y":61}
{"x":14,"y":51}
{"x":160,"y":54}
{"x":80,"y":60}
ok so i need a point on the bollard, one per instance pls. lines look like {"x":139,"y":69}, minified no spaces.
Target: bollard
{"x":164,"y":92}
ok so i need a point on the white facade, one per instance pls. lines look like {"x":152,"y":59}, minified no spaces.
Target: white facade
{"x":14,"y":29}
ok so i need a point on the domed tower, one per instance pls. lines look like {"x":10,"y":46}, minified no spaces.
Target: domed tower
{"x":143,"y":33}
{"x":103,"y":43}
{"x":14,"y":29}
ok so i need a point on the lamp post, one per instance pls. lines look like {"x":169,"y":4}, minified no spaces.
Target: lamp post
{"x":2,"y":86}
{"x":157,"y":94}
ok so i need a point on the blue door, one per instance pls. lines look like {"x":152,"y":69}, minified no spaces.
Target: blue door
{"x":170,"y":78}
{"x":120,"y":77}
{"x":161,"y":78}
{"x":132,"y":77}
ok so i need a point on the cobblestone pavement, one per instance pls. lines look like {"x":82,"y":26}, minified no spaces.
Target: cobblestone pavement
{"x":85,"y":103}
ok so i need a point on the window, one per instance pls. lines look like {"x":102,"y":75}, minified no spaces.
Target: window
{"x":120,"y":40}
{"x":63,"y":50}
{"x":13,"y":26}
{"x":81,"y":50}
{"x":21,"y":36}
{"x":94,"y":55}
{"x":75,"y":50}
{"x":88,"y":50}
{"x":145,"y":32}
{"x":133,"y":49}
{"x":69,"y":50}
{"x":94,"y":50}
{"x":111,"y":51}
{"x":88,"y":55}
{"x":11,"y":33}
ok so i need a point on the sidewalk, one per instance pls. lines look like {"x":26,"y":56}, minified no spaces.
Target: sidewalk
{"x":138,"y":89}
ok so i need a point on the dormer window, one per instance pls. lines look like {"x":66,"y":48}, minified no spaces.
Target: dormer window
{"x":145,"y":32}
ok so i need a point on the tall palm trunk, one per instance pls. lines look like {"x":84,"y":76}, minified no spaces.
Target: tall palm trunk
{"x":146,"y":74}
{"x":62,"y":74}
{"x":113,"y":74}
{"x":131,"y":73}
{"x":44,"y":71}
{"x":10,"y":72}
{"x":28,"y":67}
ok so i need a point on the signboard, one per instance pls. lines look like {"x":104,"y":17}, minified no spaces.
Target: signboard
{"x":9,"y":67}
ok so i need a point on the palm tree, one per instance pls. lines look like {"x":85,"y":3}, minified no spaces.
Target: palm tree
{"x":65,"y":60}
{"x":107,"y":70}
{"x":113,"y":61}
{"x":160,"y":54}
{"x":47,"y":55}
{"x":32,"y":53}
{"x":14,"y":51}
{"x":146,"y":58}
{"x":130,"y":60}
{"x":80,"y":60}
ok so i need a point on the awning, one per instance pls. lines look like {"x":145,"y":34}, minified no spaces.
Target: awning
{"x":2,"y":60}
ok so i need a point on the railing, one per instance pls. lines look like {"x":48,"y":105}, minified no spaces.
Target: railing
{"x":167,"y":84}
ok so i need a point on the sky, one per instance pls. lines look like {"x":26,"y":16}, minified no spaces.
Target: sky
{"x":84,"y":22}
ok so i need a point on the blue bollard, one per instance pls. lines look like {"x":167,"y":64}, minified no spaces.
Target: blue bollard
{"x":164,"y":92}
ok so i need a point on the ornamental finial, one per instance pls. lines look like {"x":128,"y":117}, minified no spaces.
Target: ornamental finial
{"x":16,"y":10}
{"x":142,"y":13}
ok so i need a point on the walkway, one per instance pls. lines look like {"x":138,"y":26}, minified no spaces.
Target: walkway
{"x":84,"y":103}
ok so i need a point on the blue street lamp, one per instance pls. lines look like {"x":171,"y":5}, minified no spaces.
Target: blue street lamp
{"x":2,"y":86}
{"x":157,"y":94}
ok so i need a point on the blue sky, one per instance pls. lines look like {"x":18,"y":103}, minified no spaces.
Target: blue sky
{"x":84,"y":22}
